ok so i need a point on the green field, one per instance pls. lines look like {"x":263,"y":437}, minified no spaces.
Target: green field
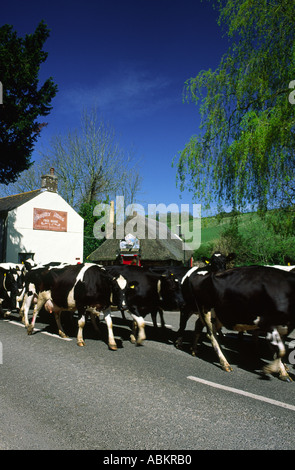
{"x":212,"y":227}
{"x":255,"y":241}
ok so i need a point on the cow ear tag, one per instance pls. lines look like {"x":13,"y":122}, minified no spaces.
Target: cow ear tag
{"x":206,"y":261}
{"x":132,"y":287}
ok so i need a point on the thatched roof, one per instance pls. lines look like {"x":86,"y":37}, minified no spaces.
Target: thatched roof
{"x":154,"y":245}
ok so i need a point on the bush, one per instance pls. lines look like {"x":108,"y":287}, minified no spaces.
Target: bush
{"x":204,"y":250}
{"x":256,"y":243}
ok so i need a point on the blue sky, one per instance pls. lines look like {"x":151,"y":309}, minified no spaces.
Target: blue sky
{"x":129,"y":58}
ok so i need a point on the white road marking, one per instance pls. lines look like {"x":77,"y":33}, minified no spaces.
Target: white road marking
{"x":54,"y":335}
{"x":159,"y":324}
{"x":37,"y":329}
{"x":14,"y":323}
{"x":242,"y":392}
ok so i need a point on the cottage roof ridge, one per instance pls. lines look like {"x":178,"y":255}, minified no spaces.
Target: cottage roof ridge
{"x":20,"y":194}
{"x":13,"y":201}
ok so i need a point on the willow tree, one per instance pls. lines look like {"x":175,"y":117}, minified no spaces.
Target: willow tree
{"x":244,"y":152}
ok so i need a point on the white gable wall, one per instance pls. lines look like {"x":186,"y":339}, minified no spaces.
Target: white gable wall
{"x":47,"y":245}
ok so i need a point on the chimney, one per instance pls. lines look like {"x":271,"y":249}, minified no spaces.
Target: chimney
{"x":49,"y":182}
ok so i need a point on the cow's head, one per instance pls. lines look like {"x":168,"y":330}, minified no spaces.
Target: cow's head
{"x":170,"y":292}
{"x":218,"y":261}
{"x":29,"y":264}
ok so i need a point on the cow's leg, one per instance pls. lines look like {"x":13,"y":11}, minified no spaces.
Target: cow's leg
{"x":21,"y":311}
{"x":57,"y":315}
{"x":206,"y":316}
{"x":161,"y":313}
{"x":199,"y":325}
{"x":184,"y":316}
{"x":5,"y":313}
{"x":133,"y":332}
{"x":12,"y":303}
{"x":24,"y":311}
{"x":283,"y":372}
{"x":277,"y":366}
{"x":81,"y":323}
{"x":111,"y":339}
{"x":141,"y":328}
{"x":93,"y":315}
{"x":43,"y":298}
{"x":7,"y":300}
{"x":154,"y":317}
{"x":1,"y":309}
{"x":20,"y":299}
{"x":31,"y":326}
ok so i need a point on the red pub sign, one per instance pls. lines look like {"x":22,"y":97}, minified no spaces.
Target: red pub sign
{"x":49,"y":219}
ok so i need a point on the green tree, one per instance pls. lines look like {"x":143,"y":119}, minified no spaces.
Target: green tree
{"x":23,"y":100}
{"x":90,"y":242}
{"x":244,"y":152}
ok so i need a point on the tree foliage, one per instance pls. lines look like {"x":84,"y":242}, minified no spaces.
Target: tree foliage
{"x":90,"y":242}
{"x":98,"y":167}
{"x":89,"y":163}
{"x":23,"y":100}
{"x":244,"y":152}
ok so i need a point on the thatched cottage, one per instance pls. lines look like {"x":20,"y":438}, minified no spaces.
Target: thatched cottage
{"x":149,"y":247}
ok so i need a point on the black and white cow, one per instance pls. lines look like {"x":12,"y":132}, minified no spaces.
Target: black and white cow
{"x":83,"y":288}
{"x":148,"y":293}
{"x":32,"y":283}
{"x":244,"y":299}
{"x":216,"y":263}
{"x":11,"y":287}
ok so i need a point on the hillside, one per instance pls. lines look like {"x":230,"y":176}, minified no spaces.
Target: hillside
{"x":212,"y":227}
{"x":255,"y":241}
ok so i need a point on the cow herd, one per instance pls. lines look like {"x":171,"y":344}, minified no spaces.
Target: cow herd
{"x":256,"y":299}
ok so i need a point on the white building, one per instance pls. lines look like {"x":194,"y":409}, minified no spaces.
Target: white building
{"x":41,"y":225}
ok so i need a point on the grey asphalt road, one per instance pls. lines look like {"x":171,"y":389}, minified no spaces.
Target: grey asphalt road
{"x":57,"y":396}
